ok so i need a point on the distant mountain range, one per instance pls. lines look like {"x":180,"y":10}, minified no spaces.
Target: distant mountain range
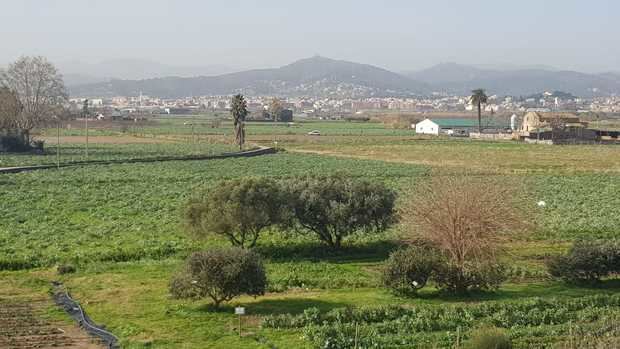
{"x":80,"y":73}
{"x":316,"y":76}
{"x":461,"y":79}
{"x":320,"y":76}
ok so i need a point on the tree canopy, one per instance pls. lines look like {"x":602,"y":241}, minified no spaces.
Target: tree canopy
{"x":39,"y":87}
{"x":335,"y":207}
{"x":220,"y":274}
{"x":275,"y":109}
{"x":467,"y":220}
{"x":239,"y":210}
{"x":478,"y":98}
{"x":10,"y":109}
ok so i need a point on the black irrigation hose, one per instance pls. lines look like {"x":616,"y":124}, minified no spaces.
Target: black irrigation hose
{"x":246,"y":153}
{"x":73,"y":308}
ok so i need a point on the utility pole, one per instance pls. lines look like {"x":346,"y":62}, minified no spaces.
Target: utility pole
{"x":57,"y":141}
{"x":85,"y":113}
{"x":193,"y":139}
{"x":275,"y":132}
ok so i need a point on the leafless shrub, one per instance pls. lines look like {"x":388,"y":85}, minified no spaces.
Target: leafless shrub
{"x":467,"y":219}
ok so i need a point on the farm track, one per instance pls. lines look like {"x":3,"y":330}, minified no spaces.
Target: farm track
{"x":247,"y":153}
{"x":446,"y":167}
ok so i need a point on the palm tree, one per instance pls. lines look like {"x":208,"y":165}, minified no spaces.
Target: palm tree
{"x":479,"y":97}
{"x":239,"y":111}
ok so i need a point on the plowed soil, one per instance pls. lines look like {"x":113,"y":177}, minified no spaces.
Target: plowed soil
{"x":23,"y":325}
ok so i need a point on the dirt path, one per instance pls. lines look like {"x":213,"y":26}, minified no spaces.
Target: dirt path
{"x":361,"y":157}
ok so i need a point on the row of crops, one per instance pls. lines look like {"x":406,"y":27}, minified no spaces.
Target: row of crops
{"x":131,"y":212}
{"x":530,"y":323}
{"x":128,"y":213}
{"x":77,"y":152}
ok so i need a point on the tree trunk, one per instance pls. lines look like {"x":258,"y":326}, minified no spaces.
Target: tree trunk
{"x":338,"y":243}
{"x":479,"y":118}
{"x":216,"y":303}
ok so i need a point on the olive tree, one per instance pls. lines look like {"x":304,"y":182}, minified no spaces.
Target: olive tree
{"x":220,"y":274}
{"x":335,"y":207}
{"x":238,"y":209}
{"x":40,"y":89}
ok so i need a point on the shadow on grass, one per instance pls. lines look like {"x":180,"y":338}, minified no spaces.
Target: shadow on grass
{"x":515,"y":292}
{"x":291,"y":306}
{"x":274,"y":306}
{"x":374,"y":251}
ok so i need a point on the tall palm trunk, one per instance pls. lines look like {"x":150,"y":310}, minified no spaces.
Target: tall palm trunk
{"x":479,"y":118}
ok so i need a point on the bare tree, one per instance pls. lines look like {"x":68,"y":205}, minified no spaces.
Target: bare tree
{"x":275,"y":109}
{"x":10,"y":109}
{"x":465,"y":218}
{"x":40,"y":89}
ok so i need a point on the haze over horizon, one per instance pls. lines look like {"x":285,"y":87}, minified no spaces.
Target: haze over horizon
{"x":397,"y":35}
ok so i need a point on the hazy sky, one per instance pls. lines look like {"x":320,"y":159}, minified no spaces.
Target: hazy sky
{"x":395,"y":34}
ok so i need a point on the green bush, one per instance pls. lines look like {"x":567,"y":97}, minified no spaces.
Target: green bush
{"x":239,"y":210}
{"x":220,"y":274}
{"x":408,"y":270}
{"x":65,"y":269}
{"x":470,"y":277}
{"x":489,"y":338}
{"x":587,"y":261}
{"x":337,"y":206}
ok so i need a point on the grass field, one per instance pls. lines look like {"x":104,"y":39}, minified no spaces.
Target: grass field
{"x":120,"y":225}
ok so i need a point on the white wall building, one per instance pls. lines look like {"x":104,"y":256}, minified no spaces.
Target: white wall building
{"x":428,"y":127}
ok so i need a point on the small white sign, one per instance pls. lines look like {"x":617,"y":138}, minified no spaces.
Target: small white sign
{"x":239,"y":311}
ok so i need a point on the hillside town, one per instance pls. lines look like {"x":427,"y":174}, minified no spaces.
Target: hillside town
{"x":309,"y":174}
{"x":337,"y":108}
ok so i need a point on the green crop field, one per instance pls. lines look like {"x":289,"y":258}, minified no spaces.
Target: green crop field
{"x":120,"y":225}
{"x":76,"y":152}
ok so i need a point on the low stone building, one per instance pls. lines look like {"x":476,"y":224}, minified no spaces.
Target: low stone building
{"x":535,"y":121}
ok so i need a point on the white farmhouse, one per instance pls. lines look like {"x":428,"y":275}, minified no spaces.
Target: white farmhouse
{"x":427,"y":126}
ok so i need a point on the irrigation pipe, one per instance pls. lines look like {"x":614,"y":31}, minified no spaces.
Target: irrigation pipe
{"x":73,"y":308}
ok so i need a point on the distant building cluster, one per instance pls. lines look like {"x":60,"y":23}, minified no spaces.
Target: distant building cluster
{"x":533,"y":127}
{"x":314,"y":106}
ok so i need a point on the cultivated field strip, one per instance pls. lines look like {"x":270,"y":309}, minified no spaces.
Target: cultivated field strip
{"x":23,"y":326}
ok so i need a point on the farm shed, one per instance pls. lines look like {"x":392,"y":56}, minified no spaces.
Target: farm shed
{"x":457,"y":126}
{"x":427,"y":127}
